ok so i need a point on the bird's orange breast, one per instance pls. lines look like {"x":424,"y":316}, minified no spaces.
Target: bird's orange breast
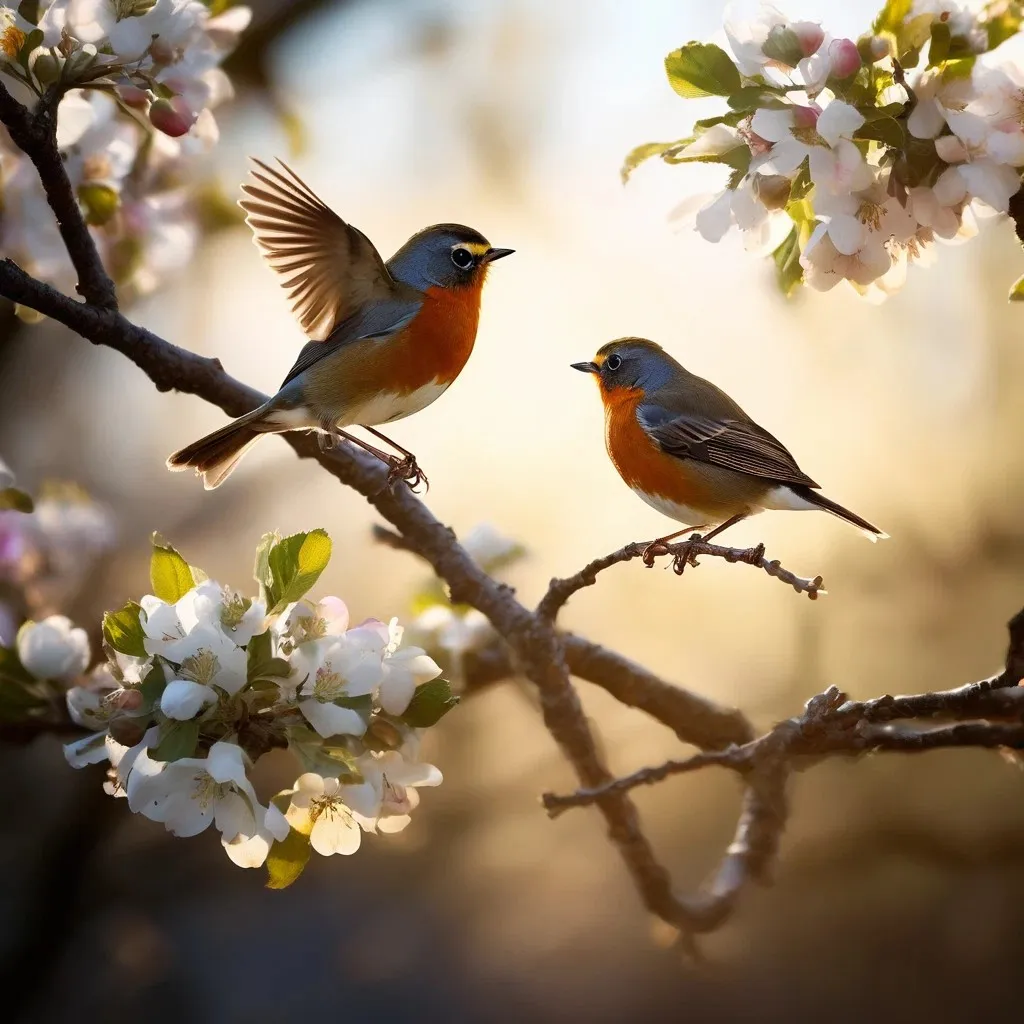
{"x":436,"y":345}
{"x":642,"y":464}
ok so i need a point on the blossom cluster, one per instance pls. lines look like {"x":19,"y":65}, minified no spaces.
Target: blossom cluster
{"x":139,"y":81}
{"x":199,"y":681}
{"x":850,"y":158}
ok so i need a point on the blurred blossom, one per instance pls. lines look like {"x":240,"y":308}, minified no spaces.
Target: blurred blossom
{"x":49,"y":552}
{"x":829,"y":150}
{"x":53,"y":648}
{"x":129,"y":161}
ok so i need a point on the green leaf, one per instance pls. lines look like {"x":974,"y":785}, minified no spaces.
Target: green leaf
{"x":886,"y":130}
{"x":802,"y":183}
{"x":429,"y":704}
{"x":873,"y":113}
{"x":732,"y":118}
{"x":32,"y":40}
{"x":152,"y":686}
{"x":1004,"y":25}
{"x":177,"y":740}
{"x":755,"y":97}
{"x":261,"y":570}
{"x":12,"y":499}
{"x":1017,"y":291}
{"x":123,"y":630}
{"x":168,"y":572}
{"x":914,"y":34}
{"x":788,"y":271}
{"x":261,"y":663}
{"x":892,"y":16}
{"x":99,"y":203}
{"x":960,"y":68}
{"x":702,"y":69}
{"x":783,"y":46}
{"x":637,"y":156}
{"x":295,"y":565}
{"x":287,"y":859}
{"x":29,"y":10}
{"x":939,"y":49}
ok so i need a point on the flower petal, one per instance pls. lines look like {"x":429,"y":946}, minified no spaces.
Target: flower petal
{"x":335,"y":831}
{"x":838,"y":120}
{"x":331,"y":720}
{"x":183,"y":699}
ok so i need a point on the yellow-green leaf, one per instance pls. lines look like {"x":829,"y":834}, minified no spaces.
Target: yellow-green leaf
{"x":892,"y":16}
{"x":637,"y":156}
{"x":788,"y":271}
{"x":100,"y":203}
{"x":430,"y":703}
{"x":13,"y":499}
{"x":295,"y":564}
{"x":287,"y":859}
{"x":123,"y":630}
{"x":1017,"y":291}
{"x":169,"y":572}
{"x":702,"y":69}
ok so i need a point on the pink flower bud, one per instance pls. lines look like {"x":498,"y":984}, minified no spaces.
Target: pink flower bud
{"x":805,"y":117}
{"x":810,"y":36}
{"x":845,"y":58}
{"x":133,"y":96}
{"x":172,"y":117}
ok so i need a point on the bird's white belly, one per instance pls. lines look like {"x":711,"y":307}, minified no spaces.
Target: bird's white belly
{"x":387,"y":406}
{"x":680,"y":513}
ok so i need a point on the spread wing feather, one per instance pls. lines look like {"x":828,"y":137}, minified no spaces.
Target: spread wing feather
{"x":733,"y":444}
{"x":330,"y":269}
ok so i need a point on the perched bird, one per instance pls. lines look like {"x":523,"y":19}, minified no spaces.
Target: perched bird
{"x":690,"y":451}
{"x":386,"y":339}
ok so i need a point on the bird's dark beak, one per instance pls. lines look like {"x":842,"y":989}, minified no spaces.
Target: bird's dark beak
{"x":495,"y":254}
{"x":586,"y":367}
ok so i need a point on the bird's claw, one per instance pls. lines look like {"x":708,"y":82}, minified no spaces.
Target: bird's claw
{"x":408,"y":470}
{"x":655,"y":548}
{"x":683,"y":556}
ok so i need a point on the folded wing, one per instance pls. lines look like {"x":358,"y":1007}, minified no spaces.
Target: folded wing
{"x":330,"y":270}
{"x":733,"y":444}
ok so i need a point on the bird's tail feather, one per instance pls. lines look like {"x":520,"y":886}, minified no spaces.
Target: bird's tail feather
{"x":217,"y":454}
{"x":872,"y":532}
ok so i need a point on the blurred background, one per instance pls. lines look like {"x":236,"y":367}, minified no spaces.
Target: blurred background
{"x":899,"y":889}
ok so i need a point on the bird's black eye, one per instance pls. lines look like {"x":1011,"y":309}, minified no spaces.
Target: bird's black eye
{"x":462,"y":258}
{"x":613,"y":362}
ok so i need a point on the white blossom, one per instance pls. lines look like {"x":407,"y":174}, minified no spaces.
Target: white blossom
{"x":190,"y":794}
{"x":403,"y":670}
{"x":321,"y":807}
{"x":394,"y":780}
{"x":53,"y":648}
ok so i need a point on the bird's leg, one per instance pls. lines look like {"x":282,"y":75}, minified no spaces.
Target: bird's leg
{"x":732,"y":521}
{"x":331,"y":435}
{"x":660,"y":546}
{"x":405,"y":469}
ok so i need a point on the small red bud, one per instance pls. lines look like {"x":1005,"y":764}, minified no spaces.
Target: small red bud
{"x":845,"y":58}
{"x":172,"y":117}
{"x":810,"y":36}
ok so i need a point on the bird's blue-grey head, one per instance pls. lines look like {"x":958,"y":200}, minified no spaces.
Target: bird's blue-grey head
{"x":628,"y":363}
{"x":445,"y":256}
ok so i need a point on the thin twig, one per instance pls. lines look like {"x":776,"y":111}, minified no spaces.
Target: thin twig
{"x":682,"y":554}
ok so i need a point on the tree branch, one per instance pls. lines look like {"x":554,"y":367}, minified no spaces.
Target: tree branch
{"x":832,"y":725}
{"x":35,"y":133}
{"x":683,"y":554}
